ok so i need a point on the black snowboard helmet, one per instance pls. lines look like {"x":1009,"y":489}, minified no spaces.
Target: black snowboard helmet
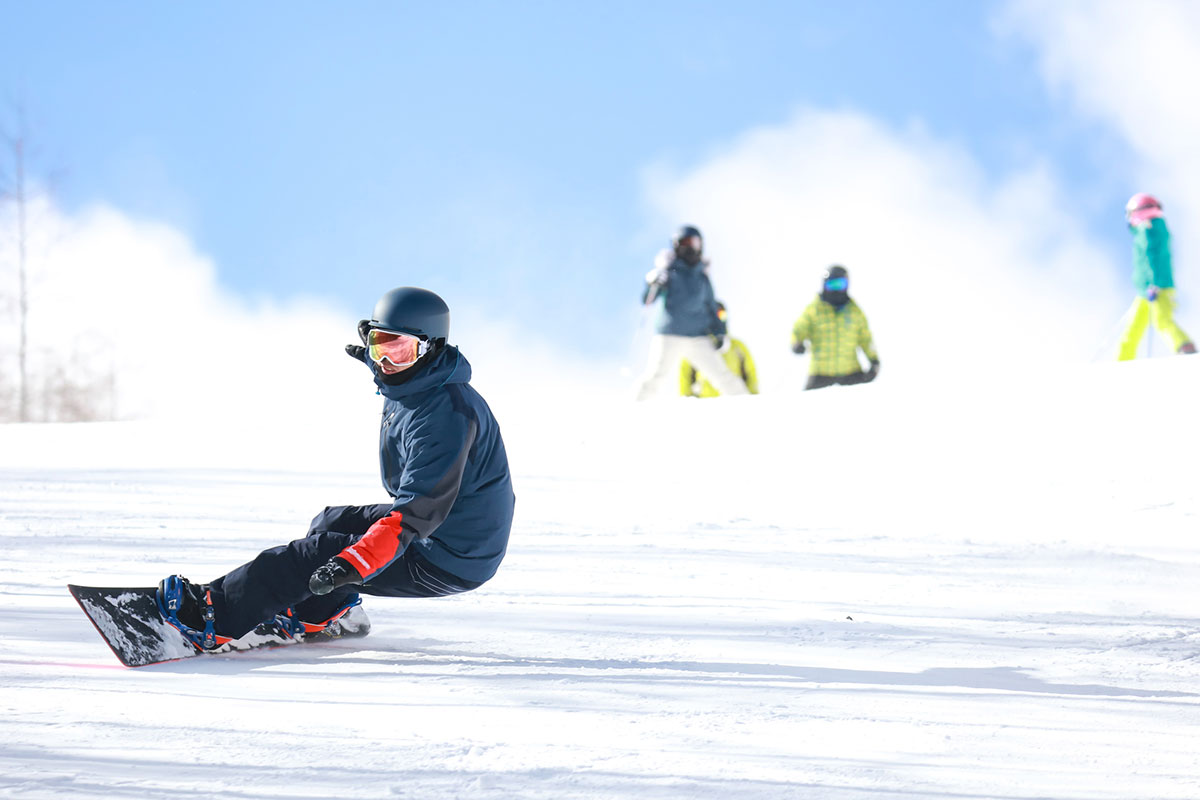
{"x":835,"y":286}
{"x":418,"y":312}
{"x":686,"y":247}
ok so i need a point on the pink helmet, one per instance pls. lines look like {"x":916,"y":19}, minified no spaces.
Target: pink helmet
{"x":1142,"y":207}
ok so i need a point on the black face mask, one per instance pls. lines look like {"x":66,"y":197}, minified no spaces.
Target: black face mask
{"x":690,"y":255}
{"x":836,"y":299}
{"x":416,"y":369}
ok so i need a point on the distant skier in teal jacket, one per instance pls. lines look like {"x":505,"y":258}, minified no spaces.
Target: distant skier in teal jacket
{"x":1153,"y":279}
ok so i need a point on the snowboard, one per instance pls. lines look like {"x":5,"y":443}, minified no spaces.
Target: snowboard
{"x":129,"y":622}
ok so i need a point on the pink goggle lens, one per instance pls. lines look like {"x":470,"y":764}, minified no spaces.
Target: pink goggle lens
{"x":398,"y":349}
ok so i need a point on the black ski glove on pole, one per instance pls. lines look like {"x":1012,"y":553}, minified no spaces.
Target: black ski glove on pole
{"x":334,"y":573}
{"x":798,"y":348}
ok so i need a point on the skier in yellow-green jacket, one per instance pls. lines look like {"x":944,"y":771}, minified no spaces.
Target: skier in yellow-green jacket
{"x":837,"y":329}
{"x":1153,"y":279}
{"x":736,"y":356}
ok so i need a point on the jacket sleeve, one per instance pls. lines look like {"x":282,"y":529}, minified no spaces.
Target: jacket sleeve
{"x":657,"y":278}
{"x":1158,"y":257}
{"x":439,"y":443}
{"x":650,"y":293}
{"x":802,"y":329}
{"x":864,"y":337}
{"x":716,"y":325}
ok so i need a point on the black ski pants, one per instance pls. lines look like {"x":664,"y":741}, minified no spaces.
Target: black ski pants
{"x":821,"y":381}
{"x":278,"y":578}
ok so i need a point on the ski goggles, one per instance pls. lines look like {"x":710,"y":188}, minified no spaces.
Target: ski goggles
{"x":1143,"y":213}
{"x":837,"y":284}
{"x":694,"y":242}
{"x":398,"y":349}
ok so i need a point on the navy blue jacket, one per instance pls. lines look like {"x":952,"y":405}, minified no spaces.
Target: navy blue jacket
{"x":686,"y":304}
{"x":444,"y":465}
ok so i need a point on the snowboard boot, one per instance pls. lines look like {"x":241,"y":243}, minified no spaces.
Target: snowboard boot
{"x":281,"y":629}
{"x":352,"y":622}
{"x":188,"y":608}
{"x":349,"y":620}
{"x":286,"y":627}
{"x":1187,"y":349}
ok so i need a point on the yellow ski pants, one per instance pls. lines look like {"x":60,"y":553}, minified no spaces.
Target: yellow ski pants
{"x":1160,"y":312}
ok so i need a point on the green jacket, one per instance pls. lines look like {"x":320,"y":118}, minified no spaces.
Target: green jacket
{"x":1152,"y":255}
{"x":836,"y":336}
{"x":737,"y":358}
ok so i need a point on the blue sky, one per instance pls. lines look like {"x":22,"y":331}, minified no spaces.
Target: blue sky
{"x":309,"y":149}
{"x":526,"y":159}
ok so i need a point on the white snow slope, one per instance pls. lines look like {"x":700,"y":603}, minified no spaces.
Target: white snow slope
{"x":972,"y":590}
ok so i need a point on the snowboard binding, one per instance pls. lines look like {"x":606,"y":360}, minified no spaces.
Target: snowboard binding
{"x":288,"y":626}
{"x":184,"y":608}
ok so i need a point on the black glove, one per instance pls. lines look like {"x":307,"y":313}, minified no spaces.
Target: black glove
{"x":874,"y":370}
{"x":798,"y":348}
{"x":334,"y":573}
{"x":356,"y":351}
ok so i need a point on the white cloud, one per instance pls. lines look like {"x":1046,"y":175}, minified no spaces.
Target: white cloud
{"x":113,"y":296}
{"x":130,"y":299}
{"x":954,"y":273}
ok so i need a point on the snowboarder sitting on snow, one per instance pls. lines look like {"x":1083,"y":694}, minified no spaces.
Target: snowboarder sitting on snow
{"x":837,"y":328}
{"x":687,"y":317}
{"x":1153,"y":279}
{"x":445,"y":530}
{"x":736,"y":356}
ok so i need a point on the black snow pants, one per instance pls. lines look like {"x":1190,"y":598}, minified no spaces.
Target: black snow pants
{"x":278,"y":578}
{"x":821,"y":381}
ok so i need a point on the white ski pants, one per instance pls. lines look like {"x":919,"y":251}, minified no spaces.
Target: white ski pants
{"x":666,"y":353}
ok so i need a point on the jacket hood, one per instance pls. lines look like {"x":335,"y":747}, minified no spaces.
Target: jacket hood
{"x":448,"y":365}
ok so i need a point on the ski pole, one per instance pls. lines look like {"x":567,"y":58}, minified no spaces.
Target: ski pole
{"x":1108,"y":339}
